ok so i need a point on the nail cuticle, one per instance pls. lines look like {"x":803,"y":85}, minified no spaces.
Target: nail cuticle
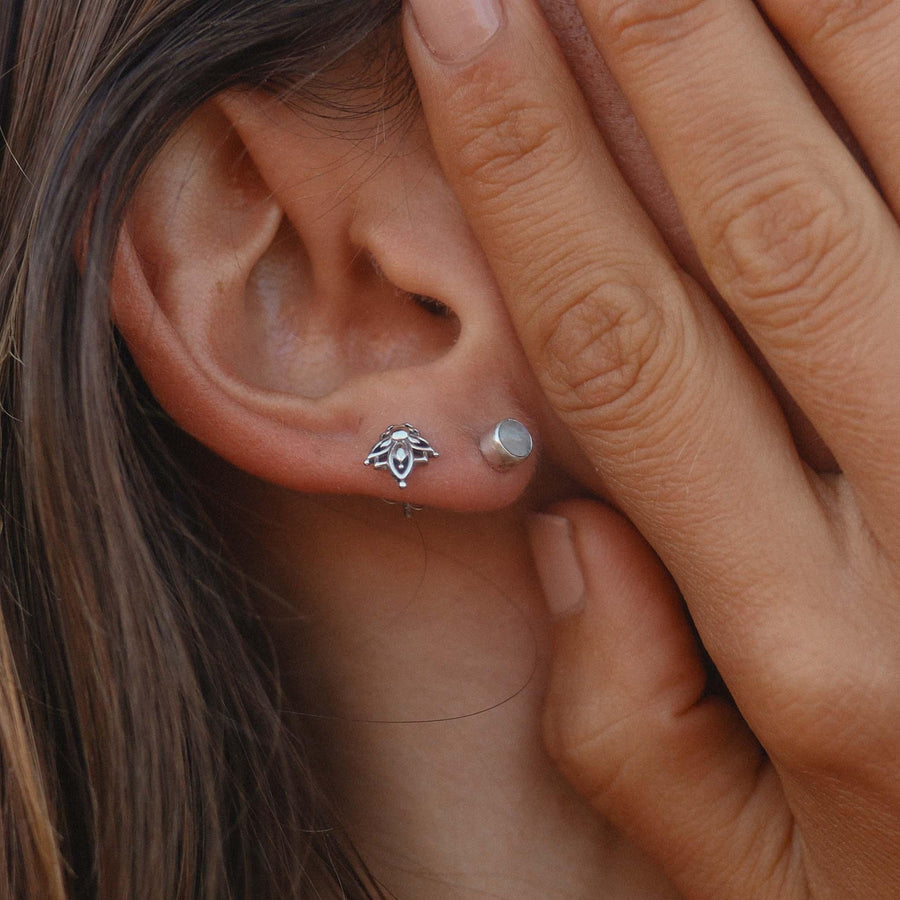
{"x":557,"y":563}
{"x":456,"y":31}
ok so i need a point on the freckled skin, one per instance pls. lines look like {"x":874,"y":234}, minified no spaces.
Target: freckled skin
{"x":616,"y":122}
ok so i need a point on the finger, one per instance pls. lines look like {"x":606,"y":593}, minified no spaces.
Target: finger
{"x":793,"y":235}
{"x":629,"y":723}
{"x":851,"y":48}
{"x":688,"y":438}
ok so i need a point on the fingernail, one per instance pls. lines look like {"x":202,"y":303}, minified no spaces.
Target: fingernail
{"x":557,"y":564}
{"x":455,"y":30}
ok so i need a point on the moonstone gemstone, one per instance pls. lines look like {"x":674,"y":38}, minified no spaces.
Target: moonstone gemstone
{"x":515,"y":438}
{"x":507,"y":444}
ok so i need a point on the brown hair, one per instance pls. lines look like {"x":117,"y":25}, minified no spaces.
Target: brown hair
{"x":142,"y":747}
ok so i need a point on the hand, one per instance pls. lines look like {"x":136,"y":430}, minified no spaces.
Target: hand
{"x":791,"y":577}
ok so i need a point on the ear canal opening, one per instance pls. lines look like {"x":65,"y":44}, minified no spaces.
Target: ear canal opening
{"x":309,"y":325}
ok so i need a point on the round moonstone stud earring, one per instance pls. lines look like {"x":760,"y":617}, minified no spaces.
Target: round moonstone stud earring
{"x":507,"y":444}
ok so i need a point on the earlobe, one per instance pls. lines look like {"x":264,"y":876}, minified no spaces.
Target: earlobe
{"x":288,"y":293}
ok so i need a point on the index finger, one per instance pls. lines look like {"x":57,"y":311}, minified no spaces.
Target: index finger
{"x":635,"y":359}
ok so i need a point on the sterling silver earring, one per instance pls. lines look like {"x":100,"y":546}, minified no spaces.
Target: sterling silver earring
{"x":398,"y":450}
{"x":507,"y":444}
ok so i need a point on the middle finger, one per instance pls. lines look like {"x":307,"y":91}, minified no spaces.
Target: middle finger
{"x":691,"y":443}
{"x":791,"y":232}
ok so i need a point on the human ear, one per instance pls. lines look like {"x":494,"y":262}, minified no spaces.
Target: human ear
{"x":290,"y":285}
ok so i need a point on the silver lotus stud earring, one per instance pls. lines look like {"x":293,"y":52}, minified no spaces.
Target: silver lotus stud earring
{"x":507,"y":444}
{"x":398,"y":450}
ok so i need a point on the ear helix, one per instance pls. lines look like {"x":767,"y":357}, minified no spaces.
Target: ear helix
{"x":401,"y":448}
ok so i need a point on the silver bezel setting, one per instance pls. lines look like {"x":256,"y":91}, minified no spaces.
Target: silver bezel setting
{"x":507,"y":444}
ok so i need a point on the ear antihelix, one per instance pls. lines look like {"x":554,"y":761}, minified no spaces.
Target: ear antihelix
{"x":284,"y":312}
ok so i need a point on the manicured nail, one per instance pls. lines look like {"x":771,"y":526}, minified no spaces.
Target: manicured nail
{"x":455,"y":30}
{"x":557,"y":564}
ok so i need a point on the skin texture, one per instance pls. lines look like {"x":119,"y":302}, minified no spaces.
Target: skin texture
{"x":790,"y":576}
{"x":634,"y":157}
{"x":619,"y":128}
{"x":264,"y":250}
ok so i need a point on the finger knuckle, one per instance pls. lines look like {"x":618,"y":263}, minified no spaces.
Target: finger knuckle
{"x":826,"y":718}
{"x":510,"y":139}
{"x":823,"y":21}
{"x":591,"y":752}
{"x":639,"y":25}
{"x":785,"y":237}
{"x":605,"y":350}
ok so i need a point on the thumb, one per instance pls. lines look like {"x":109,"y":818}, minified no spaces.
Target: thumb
{"x":630,"y":723}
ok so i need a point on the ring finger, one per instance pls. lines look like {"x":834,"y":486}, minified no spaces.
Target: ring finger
{"x":851,"y":48}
